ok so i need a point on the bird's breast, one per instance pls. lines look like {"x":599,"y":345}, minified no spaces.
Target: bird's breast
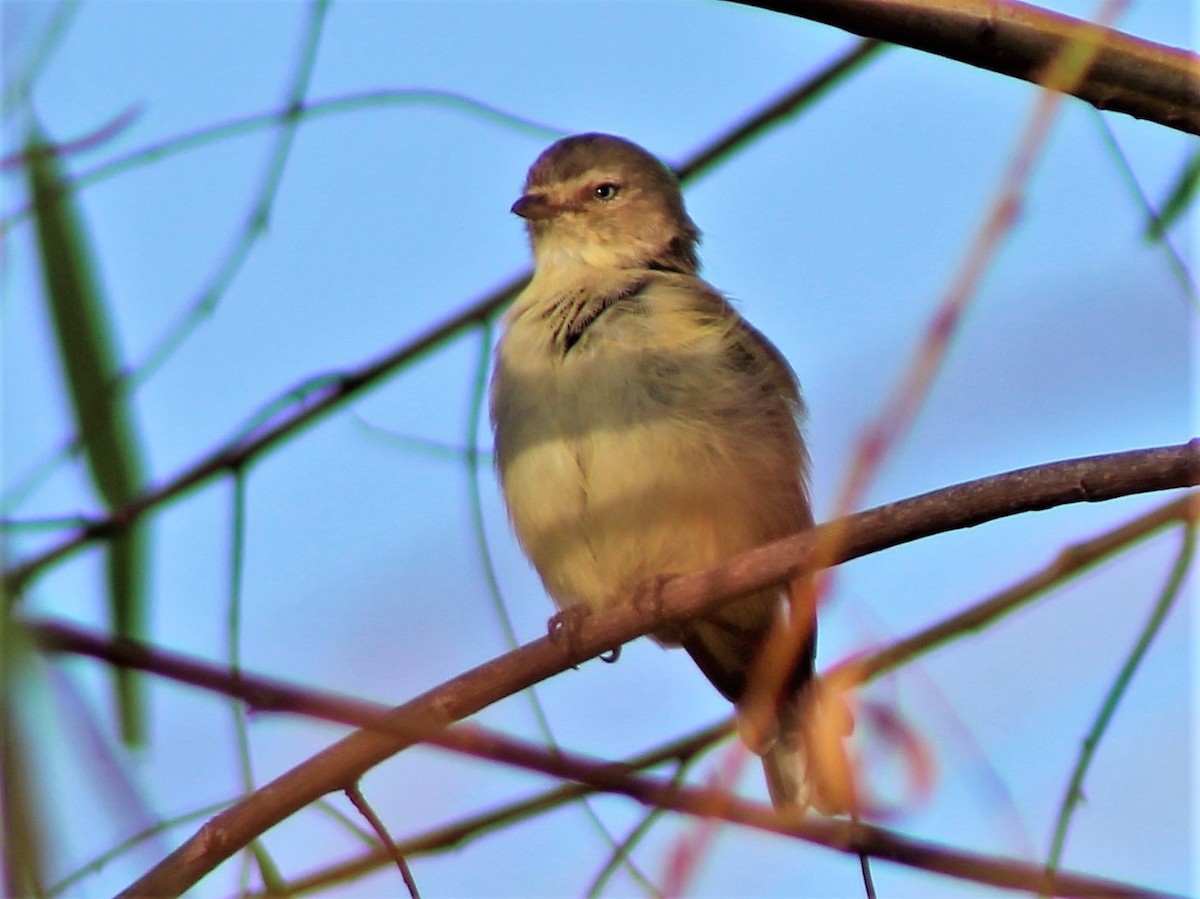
{"x":610,"y":473}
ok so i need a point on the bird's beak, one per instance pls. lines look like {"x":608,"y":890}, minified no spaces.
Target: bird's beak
{"x":534,"y":207}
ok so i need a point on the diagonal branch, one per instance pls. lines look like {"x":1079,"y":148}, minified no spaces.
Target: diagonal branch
{"x":1139,"y":77}
{"x":857,"y":669}
{"x":180,"y":871}
{"x":1070,"y":561}
{"x":349,"y":384}
{"x":455,"y":835}
{"x":1091,"y":479}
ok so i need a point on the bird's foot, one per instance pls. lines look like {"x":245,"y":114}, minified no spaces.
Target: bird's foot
{"x":567,"y":624}
{"x":564,"y":626}
{"x":648,"y":599}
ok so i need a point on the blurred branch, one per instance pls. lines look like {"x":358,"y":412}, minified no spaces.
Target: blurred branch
{"x":778,"y":110}
{"x":183,"y":868}
{"x":1130,"y":75}
{"x":351,"y":383}
{"x":15,"y":97}
{"x":254,"y":225}
{"x":1181,"y":198}
{"x":777,"y":656}
{"x":83,"y":326}
{"x":94,"y":138}
{"x":1090,"y":479}
{"x":1155,"y":228}
{"x":1120,"y":685}
{"x":147,"y":833}
{"x":790,"y":102}
{"x":1071,"y":560}
{"x":622,"y":852}
{"x":304,"y":110}
{"x":456,"y":835}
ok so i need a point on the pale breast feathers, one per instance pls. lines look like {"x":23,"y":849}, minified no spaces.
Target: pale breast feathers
{"x":649,"y":405}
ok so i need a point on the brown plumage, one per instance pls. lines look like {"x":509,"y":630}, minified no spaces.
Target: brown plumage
{"x":643,"y":427}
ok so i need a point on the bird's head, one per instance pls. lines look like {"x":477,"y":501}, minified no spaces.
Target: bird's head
{"x":602,"y":201}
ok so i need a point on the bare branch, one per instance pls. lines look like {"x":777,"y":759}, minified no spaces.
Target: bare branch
{"x":458,"y":833}
{"x":1071,"y":560}
{"x":359,"y":801}
{"x":1090,"y":479}
{"x":187,"y":865}
{"x":1144,"y":79}
{"x":351,"y":383}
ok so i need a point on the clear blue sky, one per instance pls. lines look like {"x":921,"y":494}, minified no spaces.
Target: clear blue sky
{"x":835,"y":233}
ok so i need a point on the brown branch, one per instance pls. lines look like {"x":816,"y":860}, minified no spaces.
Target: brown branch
{"x":1090,"y":479}
{"x":355,"y":794}
{"x":353,"y":382}
{"x":1144,"y":79}
{"x":1070,"y":561}
{"x":778,"y":655}
{"x":185,"y":866}
{"x":458,"y":833}
{"x":854,"y":671}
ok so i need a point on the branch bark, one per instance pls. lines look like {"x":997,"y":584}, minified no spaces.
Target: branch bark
{"x":840,"y":835}
{"x":1091,"y":479}
{"x":1141,"y":78}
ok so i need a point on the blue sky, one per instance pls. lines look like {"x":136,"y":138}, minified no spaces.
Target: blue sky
{"x":835,"y":234}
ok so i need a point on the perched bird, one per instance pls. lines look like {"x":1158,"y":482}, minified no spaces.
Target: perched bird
{"x":642,"y":427}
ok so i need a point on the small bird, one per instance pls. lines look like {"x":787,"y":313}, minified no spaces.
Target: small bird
{"x":642,"y":427}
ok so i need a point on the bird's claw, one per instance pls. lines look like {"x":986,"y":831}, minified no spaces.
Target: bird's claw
{"x":567,"y":622}
{"x":565,"y":625}
{"x":648,"y":596}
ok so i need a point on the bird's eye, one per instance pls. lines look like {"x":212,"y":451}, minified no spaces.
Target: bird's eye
{"x":606,"y":191}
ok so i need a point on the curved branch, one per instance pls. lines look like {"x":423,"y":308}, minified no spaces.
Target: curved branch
{"x":852,"y":672}
{"x":1091,"y":479}
{"x":176,"y":874}
{"x":1144,"y":79}
{"x":348,"y":384}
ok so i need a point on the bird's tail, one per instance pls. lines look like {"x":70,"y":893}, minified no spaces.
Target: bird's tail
{"x":802,"y":744}
{"x":806,"y":762}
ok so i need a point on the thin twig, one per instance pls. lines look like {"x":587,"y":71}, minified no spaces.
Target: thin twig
{"x":94,"y":138}
{"x":146,"y":833}
{"x":254,"y":225}
{"x":18,"y":86}
{"x":306,"y":110}
{"x":864,"y":865}
{"x":1166,"y":599}
{"x":359,"y":801}
{"x":1070,"y":561}
{"x":1179,"y":267}
{"x":455,"y":835}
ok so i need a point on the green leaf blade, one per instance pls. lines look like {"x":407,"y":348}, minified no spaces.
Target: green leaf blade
{"x":88,"y":357}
